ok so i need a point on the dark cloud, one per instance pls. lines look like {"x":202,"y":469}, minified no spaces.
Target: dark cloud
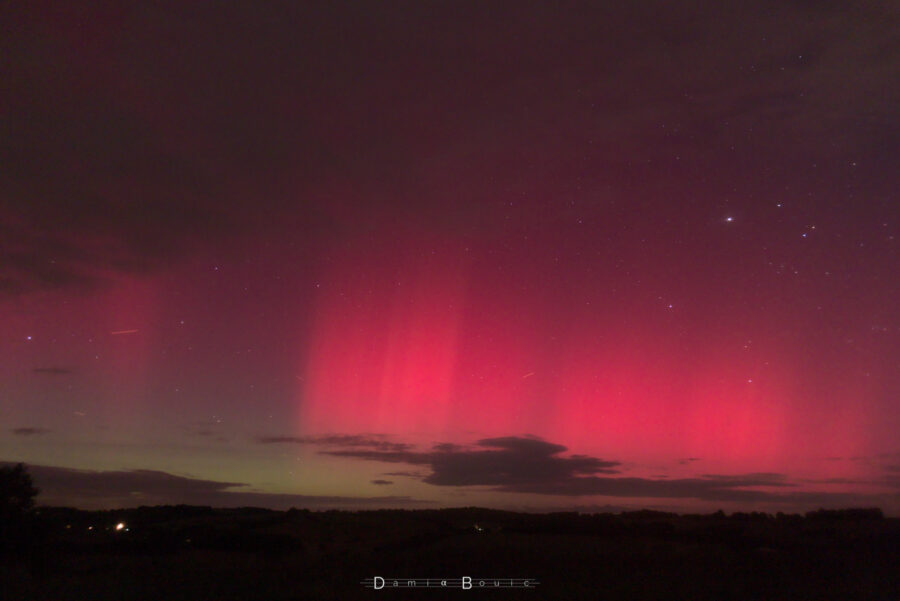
{"x":516,"y":462}
{"x":90,"y":489}
{"x":52,"y":371}
{"x":29,"y":431}
{"x":276,"y":99}
{"x":382,"y":482}
{"x":508,"y":462}
{"x":688,"y":460}
{"x":340,"y":440}
{"x":530,"y":465}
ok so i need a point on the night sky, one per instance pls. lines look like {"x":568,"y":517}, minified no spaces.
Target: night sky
{"x":425,"y":254}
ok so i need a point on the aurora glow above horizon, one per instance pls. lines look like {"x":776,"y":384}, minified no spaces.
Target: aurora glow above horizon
{"x":573,"y":262}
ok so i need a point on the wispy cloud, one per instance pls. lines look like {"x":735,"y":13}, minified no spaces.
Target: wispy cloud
{"x":341,"y":440}
{"x":29,"y":431}
{"x":52,"y":371}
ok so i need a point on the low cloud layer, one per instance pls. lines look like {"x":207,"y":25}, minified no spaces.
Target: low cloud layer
{"x":88,"y":489}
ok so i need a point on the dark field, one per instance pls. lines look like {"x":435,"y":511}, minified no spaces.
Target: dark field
{"x":201,"y":553}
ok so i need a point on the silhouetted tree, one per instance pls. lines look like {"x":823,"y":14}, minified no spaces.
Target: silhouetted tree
{"x":17,"y":491}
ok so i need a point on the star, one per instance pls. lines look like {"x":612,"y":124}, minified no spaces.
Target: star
{"x":729,"y":220}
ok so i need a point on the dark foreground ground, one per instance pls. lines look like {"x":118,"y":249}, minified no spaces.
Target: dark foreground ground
{"x":171,"y":553}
